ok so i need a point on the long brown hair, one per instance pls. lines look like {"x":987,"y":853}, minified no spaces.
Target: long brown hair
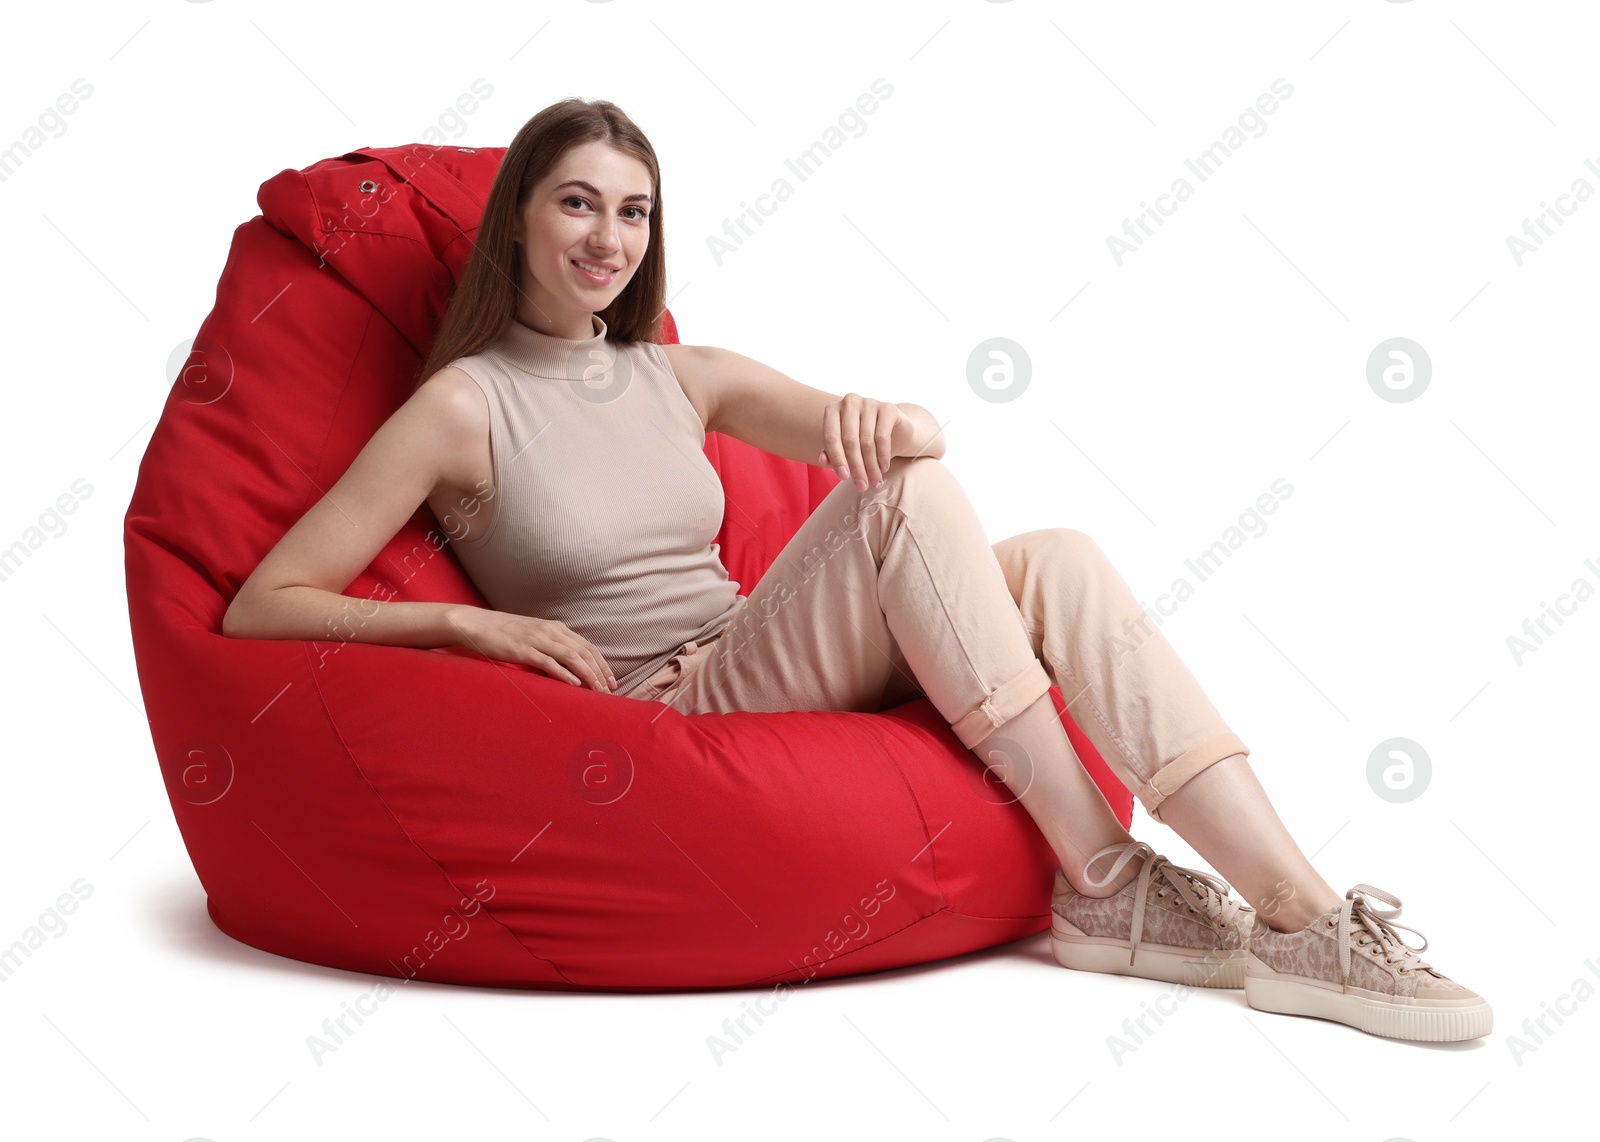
{"x":485,"y":300}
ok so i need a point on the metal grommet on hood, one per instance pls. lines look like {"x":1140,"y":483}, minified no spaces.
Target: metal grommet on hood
{"x":368,"y":186}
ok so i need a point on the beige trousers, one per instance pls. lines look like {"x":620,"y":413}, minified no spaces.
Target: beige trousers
{"x":888,"y":593}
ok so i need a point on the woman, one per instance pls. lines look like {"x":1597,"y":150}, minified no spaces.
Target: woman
{"x":561,"y":449}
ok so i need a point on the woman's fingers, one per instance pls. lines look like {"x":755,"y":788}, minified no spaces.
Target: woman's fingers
{"x":850,"y":437}
{"x":857,"y":439}
{"x":552,"y":665}
{"x":601,"y":676}
{"x":871,"y":469}
{"x":586,"y":662}
{"x":889,"y":415}
{"x":832,"y":454}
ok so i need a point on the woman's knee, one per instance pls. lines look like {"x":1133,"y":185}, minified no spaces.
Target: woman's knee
{"x":917,"y":470}
{"x":912,"y":479}
{"x":1071,"y":545}
{"x":1058,"y":551}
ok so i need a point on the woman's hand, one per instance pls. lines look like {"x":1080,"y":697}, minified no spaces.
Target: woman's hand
{"x":548,"y":644}
{"x":860,"y":436}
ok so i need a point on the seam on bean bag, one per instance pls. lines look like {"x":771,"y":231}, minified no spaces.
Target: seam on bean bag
{"x":323,"y":702}
{"x":944,"y":898}
{"x":321,"y":218}
{"x":333,"y":420}
{"x":944,"y":905}
{"x":922,"y":818}
{"x":939,"y":911}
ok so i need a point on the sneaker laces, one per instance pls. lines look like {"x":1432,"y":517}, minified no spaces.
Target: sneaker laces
{"x":1379,"y":924}
{"x":1205,"y":893}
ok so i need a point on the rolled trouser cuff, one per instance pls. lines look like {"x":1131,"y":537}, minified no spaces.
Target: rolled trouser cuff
{"x":1005,"y":702}
{"x":1171,"y":777}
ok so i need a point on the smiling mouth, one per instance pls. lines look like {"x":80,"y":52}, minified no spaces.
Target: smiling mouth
{"x":594,"y":274}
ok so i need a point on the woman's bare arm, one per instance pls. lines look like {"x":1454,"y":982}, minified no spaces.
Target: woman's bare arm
{"x":296,"y":591}
{"x":756,"y":403}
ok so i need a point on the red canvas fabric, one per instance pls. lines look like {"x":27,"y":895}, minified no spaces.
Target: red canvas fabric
{"x":428,"y":814}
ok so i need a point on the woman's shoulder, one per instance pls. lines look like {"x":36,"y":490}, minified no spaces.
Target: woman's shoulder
{"x":685,"y":365}
{"x":685,"y":360}
{"x":457,"y":397}
{"x":463,"y":376}
{"x":488,"y":357}
{"x":681,"y":362}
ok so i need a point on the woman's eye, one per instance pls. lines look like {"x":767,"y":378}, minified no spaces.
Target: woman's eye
{"x":640,"y":213}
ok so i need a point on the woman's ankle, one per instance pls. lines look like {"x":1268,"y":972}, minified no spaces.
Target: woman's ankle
{"x":1296,"y":913}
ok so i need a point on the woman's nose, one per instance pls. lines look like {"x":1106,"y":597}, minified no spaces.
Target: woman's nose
{"x":604,"y":235}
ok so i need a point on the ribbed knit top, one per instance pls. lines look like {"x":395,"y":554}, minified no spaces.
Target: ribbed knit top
{"x":604,"y":504}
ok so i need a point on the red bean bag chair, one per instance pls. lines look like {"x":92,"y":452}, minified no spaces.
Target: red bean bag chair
{"x":431,"y":814}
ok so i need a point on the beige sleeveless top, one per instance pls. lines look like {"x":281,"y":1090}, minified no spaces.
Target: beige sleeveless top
{"x":604,"y":502}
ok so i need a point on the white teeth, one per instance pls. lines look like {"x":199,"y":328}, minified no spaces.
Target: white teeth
{"x":593,"y":269}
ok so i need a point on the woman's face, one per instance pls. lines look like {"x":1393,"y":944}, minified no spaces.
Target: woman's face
{"x":582,"y":234}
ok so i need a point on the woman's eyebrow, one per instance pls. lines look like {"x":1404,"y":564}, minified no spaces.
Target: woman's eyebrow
{"x":578,"y":182}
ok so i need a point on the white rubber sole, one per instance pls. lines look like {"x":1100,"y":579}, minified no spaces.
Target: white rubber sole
{"x":1076,"y":949}
{"x":1425,"y":1020}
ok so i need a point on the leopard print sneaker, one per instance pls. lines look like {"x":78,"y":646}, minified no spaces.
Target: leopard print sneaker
{"x":1352,"y":966}
{"x":1186,"y":930}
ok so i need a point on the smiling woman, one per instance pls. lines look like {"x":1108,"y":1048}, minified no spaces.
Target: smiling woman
{"x":336,"y":805}
{"x":596,"y":548}
{"x":572,"y":231}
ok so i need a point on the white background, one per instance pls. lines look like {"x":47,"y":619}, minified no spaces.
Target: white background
{"x":1164,"y":399}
